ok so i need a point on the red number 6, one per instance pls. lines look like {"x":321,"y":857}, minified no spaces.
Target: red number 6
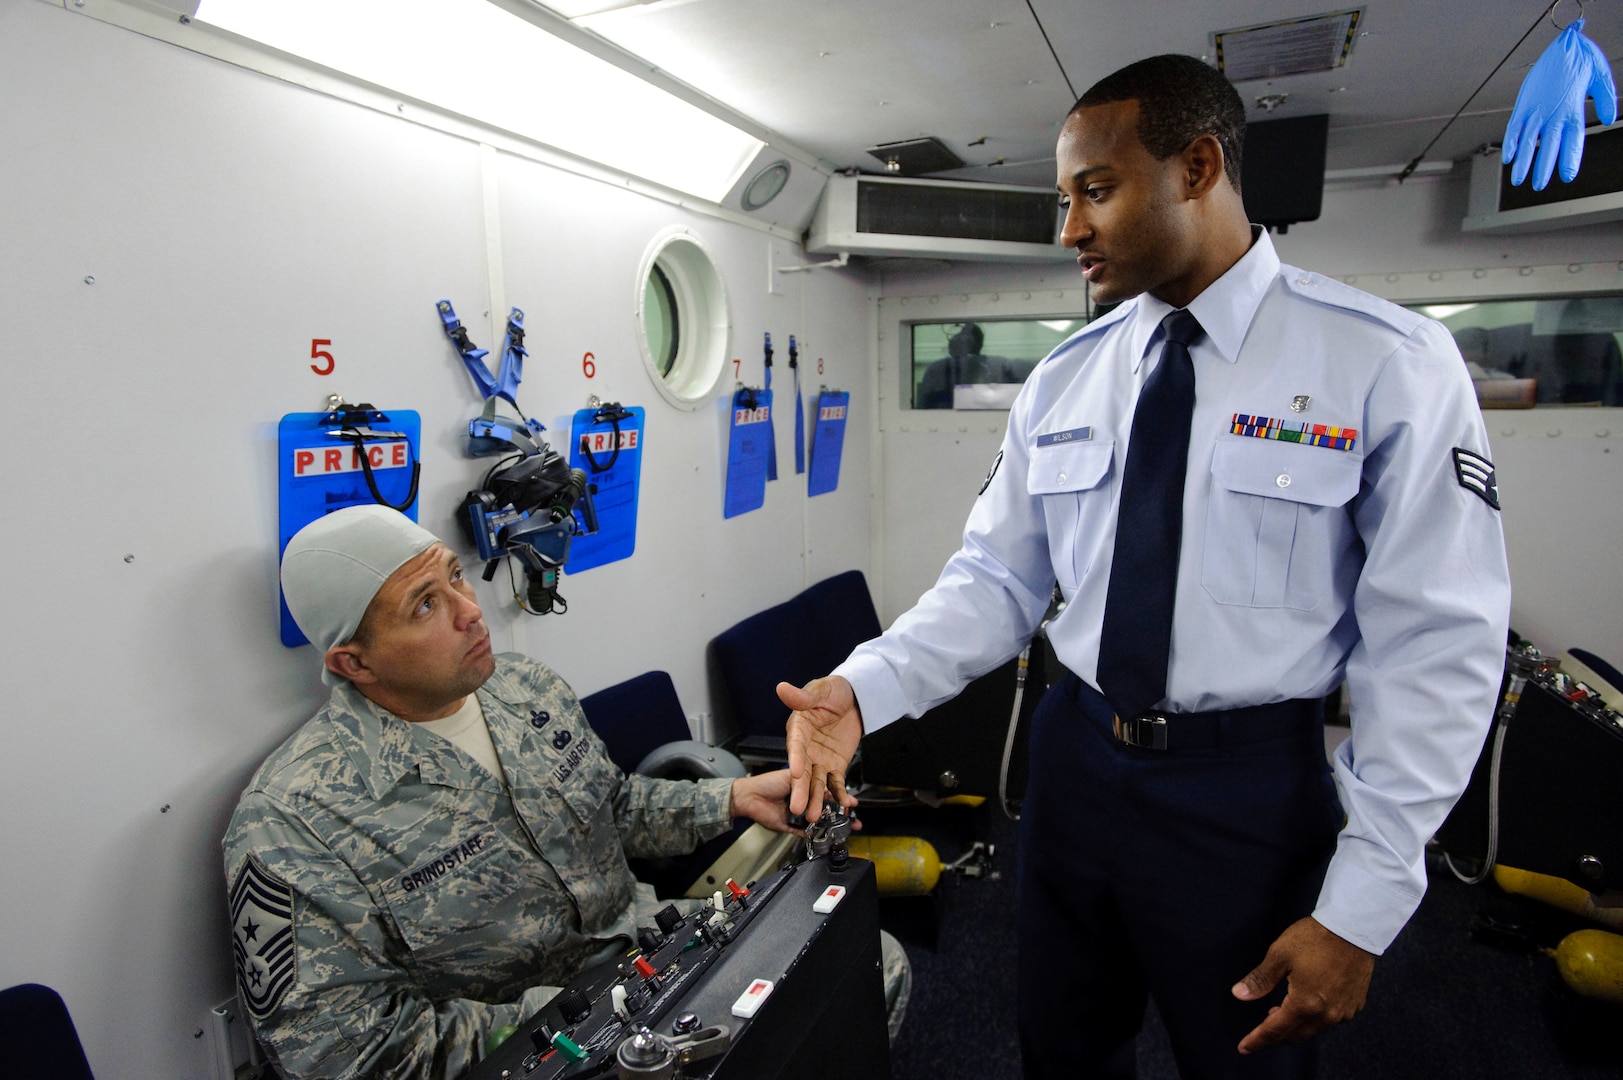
{"x":819,"y":365}
{"x":588,"y":368}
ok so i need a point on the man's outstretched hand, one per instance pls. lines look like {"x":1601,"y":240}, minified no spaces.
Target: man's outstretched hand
{"x":824,"y":730}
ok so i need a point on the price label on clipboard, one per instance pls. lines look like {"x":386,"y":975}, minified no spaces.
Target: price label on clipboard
{"x":607,"y":442}
{"x":349,"y":456}
{"x":828,"y":441}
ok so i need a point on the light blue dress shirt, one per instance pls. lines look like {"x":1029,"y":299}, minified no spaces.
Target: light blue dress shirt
{"x":1301,"y":565}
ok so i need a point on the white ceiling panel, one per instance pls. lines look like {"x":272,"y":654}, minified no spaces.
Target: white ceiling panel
{"x":835,"y":77}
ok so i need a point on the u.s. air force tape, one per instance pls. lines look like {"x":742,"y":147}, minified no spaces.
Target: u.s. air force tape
{"x":262,"y":937}
{"x":1475,"y":474}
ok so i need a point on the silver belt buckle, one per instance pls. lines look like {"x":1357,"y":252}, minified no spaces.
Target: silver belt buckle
{"x":1148,"y":732}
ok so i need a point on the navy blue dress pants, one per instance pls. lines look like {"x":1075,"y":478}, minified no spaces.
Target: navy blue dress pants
{"x":1164,"y":873}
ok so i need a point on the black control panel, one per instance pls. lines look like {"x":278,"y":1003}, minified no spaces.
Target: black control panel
{"x":1555,"y":790}
{"x":777,"y":980}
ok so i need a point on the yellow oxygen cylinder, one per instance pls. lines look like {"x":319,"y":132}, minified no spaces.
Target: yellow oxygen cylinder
{"x":1558,"y":892}
{"x":1591,"y":962}
{"x":903,"y":865}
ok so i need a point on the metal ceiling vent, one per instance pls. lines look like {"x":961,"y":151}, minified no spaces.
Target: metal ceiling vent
{"x":1287,"y":47}
{"x":915,"y":157}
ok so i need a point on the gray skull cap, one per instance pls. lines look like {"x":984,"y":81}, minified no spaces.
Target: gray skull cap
{"x":335,"y":565}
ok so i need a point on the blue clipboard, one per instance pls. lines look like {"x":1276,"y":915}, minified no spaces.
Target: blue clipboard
{"x":608,"y":444}
{"x":828,"y":442}
{"x":748,"y":443}
{"x":318,"y":472}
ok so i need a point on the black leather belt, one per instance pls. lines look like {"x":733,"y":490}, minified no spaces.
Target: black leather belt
{"x":1230,"y":727}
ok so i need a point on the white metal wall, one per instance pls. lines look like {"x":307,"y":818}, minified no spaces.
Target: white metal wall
{"x":227,"y":219}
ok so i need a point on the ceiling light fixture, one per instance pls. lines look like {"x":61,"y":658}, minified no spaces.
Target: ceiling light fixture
{"x":476,"y":59}
{"x":765,"y":185}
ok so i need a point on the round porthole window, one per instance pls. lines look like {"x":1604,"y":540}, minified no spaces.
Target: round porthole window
{"x":682,"y":317}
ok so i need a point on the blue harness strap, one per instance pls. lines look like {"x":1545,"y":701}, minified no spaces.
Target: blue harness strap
{"x":771,"y":424}
{"x":472,"y":356}
{"x":800,"y":410}
{"x":513,"y":354}
{"x":490,"y":433}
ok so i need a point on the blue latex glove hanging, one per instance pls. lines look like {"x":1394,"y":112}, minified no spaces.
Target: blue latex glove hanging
{"x":1549,"y":111}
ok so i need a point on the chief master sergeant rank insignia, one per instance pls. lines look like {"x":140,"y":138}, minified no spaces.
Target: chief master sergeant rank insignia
{"x":262,"y":937}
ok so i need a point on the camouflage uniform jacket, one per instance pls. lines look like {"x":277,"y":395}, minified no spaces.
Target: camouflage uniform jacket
{"x":391,"y":904}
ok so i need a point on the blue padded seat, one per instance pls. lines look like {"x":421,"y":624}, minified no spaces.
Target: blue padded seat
{"x":636,"y":717}
{"x":801,"y":639}
{"x":37,"y":1038}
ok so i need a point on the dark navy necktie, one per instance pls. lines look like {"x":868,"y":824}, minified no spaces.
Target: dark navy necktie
{"x":1137,"y":630}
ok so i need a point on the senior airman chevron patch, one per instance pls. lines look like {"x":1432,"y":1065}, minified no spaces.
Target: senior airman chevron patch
{"x":262,"y":938}
{"x":1475,"y":473}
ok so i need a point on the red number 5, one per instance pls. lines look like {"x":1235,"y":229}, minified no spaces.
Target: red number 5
{"x":318,"y":353}
{"x":587,"y":367}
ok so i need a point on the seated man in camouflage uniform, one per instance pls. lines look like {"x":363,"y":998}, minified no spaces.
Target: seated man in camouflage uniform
{"x":444,"y":844}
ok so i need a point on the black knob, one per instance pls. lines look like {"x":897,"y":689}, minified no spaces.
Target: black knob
{"x":649,"y":940}
{"x":574,"y":1004}
{"x":541,"y":1038}
{"x":685,"y":1023}
{"x":668,"y":919}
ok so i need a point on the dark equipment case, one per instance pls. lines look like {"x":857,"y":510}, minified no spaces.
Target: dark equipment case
{"x":1560,"y":788}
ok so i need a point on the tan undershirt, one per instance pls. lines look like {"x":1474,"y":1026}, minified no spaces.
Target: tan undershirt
{"x":467,"y":730}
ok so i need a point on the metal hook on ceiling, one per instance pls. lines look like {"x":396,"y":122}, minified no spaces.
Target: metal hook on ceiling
{"x":1557,"y":4}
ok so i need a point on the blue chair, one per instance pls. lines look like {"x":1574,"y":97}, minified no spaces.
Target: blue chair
{"x":796,"y":641}
{"x":957,"y":748}
{"x":37,"y":1038}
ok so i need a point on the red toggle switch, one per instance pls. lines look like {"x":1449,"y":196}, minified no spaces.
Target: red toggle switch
{"x":644,"y":968}
{"x":738,"y":891}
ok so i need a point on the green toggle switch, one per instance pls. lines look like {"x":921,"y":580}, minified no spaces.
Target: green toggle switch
{"x":567,"y":1048}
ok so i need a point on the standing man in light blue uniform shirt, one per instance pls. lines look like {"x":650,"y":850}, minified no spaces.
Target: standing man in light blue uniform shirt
{"x":1339,"y":523}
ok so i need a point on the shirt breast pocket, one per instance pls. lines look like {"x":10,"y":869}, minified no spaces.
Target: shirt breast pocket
{"x":456,"y":902}
{"x":1073,"y":479}
{"x":1274,"y":520}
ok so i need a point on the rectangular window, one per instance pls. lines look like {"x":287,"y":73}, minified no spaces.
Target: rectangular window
{"x":1550,"y":351}
{"x":980,"y":364}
